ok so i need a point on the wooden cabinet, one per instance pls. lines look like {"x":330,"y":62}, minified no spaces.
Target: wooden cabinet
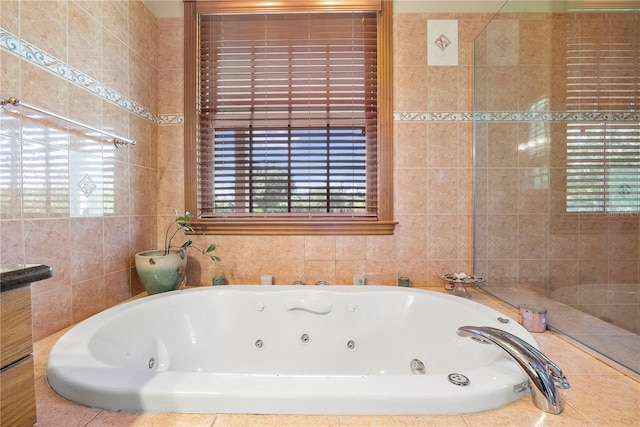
{"x":15,"y":314}
{"x":17,"y":389}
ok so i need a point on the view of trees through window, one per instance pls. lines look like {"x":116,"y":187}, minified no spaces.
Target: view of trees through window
{"x":290,"y":170}
{"x":288,"y":114}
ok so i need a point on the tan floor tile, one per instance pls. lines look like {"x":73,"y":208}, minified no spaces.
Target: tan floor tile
{"x":523,"y":413}
{"x":604,"y":403}
{"x":119,"y":419}
{"x":41,"y":352}
{"x":246,"y":420}
{"x":570,"y":359}
{"x":402,"y":421}
{"x":54,"y":411}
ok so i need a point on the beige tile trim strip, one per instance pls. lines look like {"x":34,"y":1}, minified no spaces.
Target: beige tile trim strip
{"x":516,"y":116}
{"x":25,"y":50}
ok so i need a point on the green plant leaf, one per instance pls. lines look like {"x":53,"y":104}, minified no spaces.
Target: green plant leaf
{"x":182,"y":223}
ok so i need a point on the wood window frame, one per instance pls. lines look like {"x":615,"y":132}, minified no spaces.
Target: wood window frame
{"x":384,"y":224}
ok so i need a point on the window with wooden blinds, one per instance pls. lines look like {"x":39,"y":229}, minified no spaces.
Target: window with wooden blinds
{"x":287,"y":124}
{"x":603,"y":155}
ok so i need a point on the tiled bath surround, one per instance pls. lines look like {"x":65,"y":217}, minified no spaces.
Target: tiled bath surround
{"x":599,"y":396}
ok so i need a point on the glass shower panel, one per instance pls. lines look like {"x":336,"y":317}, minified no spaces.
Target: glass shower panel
{"x":557,"y":167}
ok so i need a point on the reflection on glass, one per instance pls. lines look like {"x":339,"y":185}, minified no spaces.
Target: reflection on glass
{"x":577,"y":169}
{"x":45,"y":180}
{"x":9,"y":177}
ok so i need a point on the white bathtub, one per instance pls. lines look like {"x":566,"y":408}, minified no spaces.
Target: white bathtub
{"x":288,"y":350}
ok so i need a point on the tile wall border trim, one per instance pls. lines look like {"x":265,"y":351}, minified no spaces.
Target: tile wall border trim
{"x":517,"y":116}
{"x":29,"y":52}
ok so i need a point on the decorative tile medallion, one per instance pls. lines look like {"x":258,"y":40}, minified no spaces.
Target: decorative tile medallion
{"x":442,"y":42}
{"x":442,"y":49}
{"x":503,"y":42}
{"x":87,"y":185}
{"x":500,"y":47}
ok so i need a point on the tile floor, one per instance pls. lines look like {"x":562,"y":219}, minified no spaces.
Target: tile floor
{"x":599,"y":396}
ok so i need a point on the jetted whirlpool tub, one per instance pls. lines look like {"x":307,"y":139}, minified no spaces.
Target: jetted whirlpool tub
{"x":288,"y":350}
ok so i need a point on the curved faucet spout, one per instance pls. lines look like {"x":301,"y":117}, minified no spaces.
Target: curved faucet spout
{"x":545,"y":376}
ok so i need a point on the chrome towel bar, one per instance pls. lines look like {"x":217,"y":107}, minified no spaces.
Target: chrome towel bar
{"x":118,"y":141}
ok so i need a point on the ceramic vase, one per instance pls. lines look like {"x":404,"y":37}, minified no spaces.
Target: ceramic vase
{"x":159,"y":272}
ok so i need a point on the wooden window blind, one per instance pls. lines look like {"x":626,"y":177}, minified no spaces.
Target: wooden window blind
{"x":603,"y":156}
{"x":288,"y":115}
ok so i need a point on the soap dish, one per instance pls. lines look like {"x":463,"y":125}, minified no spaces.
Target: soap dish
{"x":451,"y":281}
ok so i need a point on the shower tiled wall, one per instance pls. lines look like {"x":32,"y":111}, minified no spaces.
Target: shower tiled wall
{"x":550,"y":74}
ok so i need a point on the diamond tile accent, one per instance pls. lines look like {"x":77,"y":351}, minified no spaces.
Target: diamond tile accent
{"x":87,"y":185}
{"x":503,"y":42}
{"x":442,"y":42}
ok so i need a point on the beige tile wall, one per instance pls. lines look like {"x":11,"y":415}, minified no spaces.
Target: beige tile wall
{"x":433,"y":181}
{"x":124,"y":47}
{"x":44,"y":218}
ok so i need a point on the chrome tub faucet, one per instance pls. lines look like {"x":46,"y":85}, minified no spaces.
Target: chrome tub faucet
{"x":545,"y":377}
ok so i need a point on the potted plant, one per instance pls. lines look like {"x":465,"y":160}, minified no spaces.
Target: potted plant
{"x":164,"y":270}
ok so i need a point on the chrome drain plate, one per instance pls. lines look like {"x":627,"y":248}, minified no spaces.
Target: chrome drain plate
{"x":417,"y":367}
{"x":459,"y":379}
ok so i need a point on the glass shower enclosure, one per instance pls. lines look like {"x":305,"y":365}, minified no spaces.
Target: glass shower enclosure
{"x":557,"y":167}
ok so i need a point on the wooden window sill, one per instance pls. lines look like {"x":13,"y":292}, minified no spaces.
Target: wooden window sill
{"x":298,"y":227}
